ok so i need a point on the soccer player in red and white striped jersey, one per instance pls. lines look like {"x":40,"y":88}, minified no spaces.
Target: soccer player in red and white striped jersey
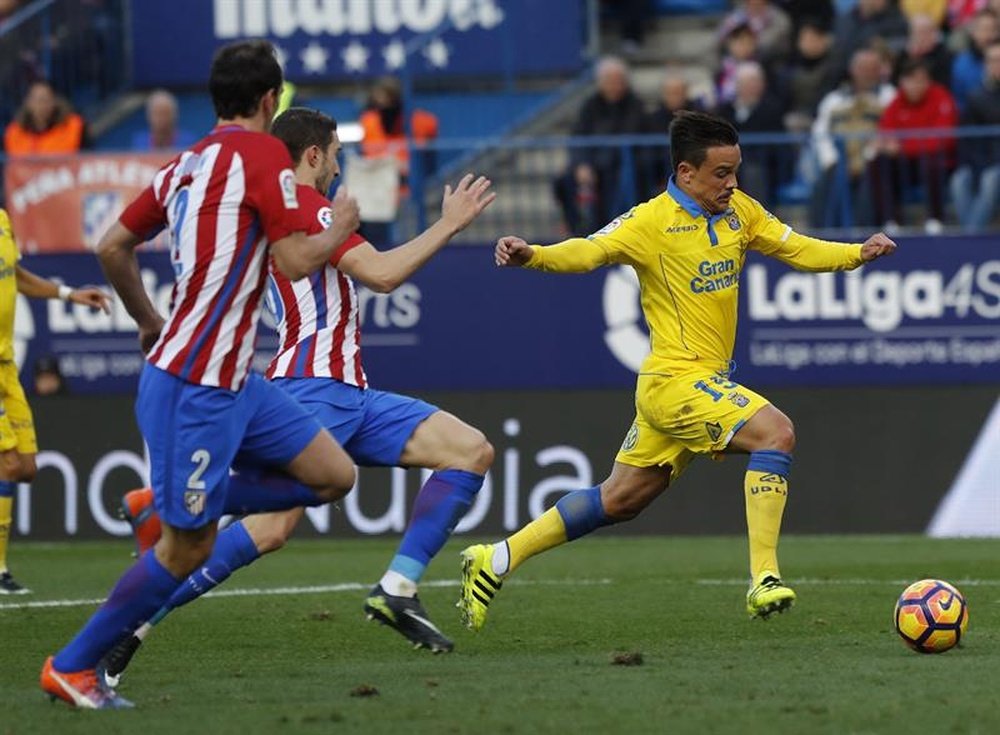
{"x":319,"y":363}
{"x":231,"y":208}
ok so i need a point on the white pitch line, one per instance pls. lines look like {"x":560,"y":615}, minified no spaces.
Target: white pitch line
{"x":311,"y":590}
{"x":853,"y":582}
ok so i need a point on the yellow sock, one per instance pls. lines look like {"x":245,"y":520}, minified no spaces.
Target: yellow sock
{"x":542,"y":534}
{"x":6,"y":503}
{"x":766,"y":493}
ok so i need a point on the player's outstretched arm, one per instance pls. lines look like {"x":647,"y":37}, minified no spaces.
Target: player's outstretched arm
{"x":383,"y":272}
{"x":116,"y":251}
{"x":35,"y":287}
{"x":298,"y":254}
{"x":576,"y":255}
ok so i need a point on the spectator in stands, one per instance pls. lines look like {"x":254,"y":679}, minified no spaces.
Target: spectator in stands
{"x":810,"y":75}
{"x":868,"y":20}
{"x":975,"y":186}
{"x":923,"y":160}
{"x":632,"y":16}
{"x":45,"y":124}
{"x":961,"y":12}
{"x":816,"y":11}
{"x":739,"y":46}
{"x":967,"y":69}
{"x":841,"y":195}
{"x":675,"y":95}
{"x":926,"y":42}
{"x":163,"y":134}
{"x":754,"y":110}
{"x":588,"y":191}
{"x":935,"y":10}
{"x":384,"y":127}
{"x":770,"y":24}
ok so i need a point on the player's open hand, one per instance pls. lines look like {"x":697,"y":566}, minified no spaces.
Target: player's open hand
{"x":466,"y":201}
{"x":95,"y":298}
{"x":512,"y":251}
{"x":876,"y":246}
{"x":345,"y":215}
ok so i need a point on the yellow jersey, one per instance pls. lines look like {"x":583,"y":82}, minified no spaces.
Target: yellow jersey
{"x":689,"y":266}
{"x":9,"y":256}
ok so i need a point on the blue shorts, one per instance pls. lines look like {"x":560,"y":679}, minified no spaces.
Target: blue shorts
{"x":194,"y":432}
{"x":373,"y":426}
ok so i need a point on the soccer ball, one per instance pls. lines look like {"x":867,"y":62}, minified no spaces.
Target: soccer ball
{"x":931,"y":616}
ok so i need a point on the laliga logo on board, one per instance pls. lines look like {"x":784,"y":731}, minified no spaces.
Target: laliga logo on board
{"x":283,"y":18}
{"x":626,"y":335}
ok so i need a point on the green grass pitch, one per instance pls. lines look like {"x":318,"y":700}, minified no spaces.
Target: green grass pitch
{"x":289,"y":663}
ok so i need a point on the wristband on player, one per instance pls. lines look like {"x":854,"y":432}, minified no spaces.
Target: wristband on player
{"x":65,"y":292}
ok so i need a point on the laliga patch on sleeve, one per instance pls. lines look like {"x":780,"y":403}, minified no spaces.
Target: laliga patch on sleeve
{"x":325,"y":217}
{"x":287,"y":181}
{"x":610,"y":226}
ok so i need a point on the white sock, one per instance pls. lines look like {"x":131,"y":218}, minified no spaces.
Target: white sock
{"x":142,"y":631}
{"x":501,"y":559}
{"x":397,"y":585}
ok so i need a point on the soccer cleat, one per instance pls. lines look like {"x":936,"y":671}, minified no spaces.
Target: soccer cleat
{"x":137,"y":508}
{"x":479,"y":585}
{"x":80,"y":689}
{"x":113,"y":665}
{"x":769,"y":595}
{"x":10,"y":586}
{"x":407,"y":616}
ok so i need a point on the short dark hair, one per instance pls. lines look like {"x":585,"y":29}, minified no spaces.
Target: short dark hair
{"x":242,"y":73}
{"x":299,"y":128}
{"x":912,"y":66}
{"x":693,"y":133}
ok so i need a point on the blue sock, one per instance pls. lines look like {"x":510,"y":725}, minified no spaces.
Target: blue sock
{"x":250,"y":492}
{"x":233,"y":549}
{"x":582,"y":512}
{"x":441,"y":503}
{"x":140,"y":592}
{"x":7,"y":488}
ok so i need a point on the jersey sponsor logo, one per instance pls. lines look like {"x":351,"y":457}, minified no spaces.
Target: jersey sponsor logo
{"x":325,"y":217}
{"x":631,"y":438}
{"x":677,"y":229}
{"x":287,"y":181}
{"x":715,"y":276}
{"x":714,"y":430}
{"x":194,"y":501}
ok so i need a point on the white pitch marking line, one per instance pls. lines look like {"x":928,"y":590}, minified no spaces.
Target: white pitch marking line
{"x":311,"y":590}
{"x":836,"y":582}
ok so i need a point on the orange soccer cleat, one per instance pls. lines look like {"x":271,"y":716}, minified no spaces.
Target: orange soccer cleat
{"x":81,"y":689}
{"x":138,"y":509}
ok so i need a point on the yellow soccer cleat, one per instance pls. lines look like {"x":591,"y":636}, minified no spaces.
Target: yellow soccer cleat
{"x":479,"y":585}
{"x":769,"y":595}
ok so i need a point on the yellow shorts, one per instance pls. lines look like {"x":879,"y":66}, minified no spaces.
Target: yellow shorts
{"x":17,"y":427}
{"x":681,"y":416}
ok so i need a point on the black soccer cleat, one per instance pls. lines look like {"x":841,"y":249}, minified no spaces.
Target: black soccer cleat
{"x":407,"y":616}
{"x":10,"y":586}
{"x":114,"y":663}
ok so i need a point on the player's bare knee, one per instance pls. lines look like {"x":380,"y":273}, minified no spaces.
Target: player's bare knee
{"x":27,"y":468}
{"x":338,"y":481}
{"x":625,"y":501}
{"x":270,"y":538}
{"x":181,"y":558}
{"x":783,"y":437}
{"x":480,"y":452}
{"x":10,"y":466}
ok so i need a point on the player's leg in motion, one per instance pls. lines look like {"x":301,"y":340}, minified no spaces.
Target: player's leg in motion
{"x":769,"y":437}
{"x":460,"y":456}
{"x":17,"y":463}
{"x":619,"y":498}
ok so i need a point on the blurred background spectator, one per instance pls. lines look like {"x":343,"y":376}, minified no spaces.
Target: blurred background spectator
{"x":632,"y":16}
{"x":922,"y":160}
{"x":926,"y":43}
{"x":975,"y":185}
{"x":755,"y":110}
{"x":675,"y":95}
{"x":865,"y":22}
{"x":48,"y":377}
{"x":810,"y":73}
{"x":771,"y":26}
{"x":163,"y":134}
{"x":967,"y":69}
{"x":739,"y":45}
{"x":934,"y":10}
{"x":46,"y":123}
{"x":587,"y":191}
{"x":853,"y":109}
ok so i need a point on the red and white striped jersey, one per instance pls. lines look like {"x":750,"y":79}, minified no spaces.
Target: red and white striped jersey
{"x":318,"y":320}
{"x":223,"y":201}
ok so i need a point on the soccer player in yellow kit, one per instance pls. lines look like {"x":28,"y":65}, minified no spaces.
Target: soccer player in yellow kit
{"x":17,"y":428}
{"x":687,"y":246}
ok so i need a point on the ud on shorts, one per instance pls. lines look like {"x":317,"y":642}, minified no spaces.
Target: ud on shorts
{"x":680,"y":416}
{"x":194,"y":432}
